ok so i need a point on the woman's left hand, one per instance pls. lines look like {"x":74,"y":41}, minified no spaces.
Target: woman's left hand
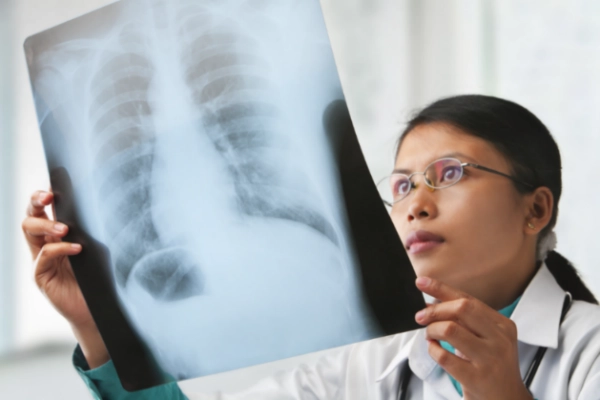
{"x":487,"y":359}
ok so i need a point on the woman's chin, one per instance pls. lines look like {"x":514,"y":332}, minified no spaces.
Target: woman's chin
{"x":431,"y":268}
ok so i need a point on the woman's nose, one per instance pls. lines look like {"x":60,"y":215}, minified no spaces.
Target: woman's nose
{"x":421,"y":203}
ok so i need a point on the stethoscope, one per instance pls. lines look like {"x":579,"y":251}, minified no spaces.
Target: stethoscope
{"x":406,"y":373}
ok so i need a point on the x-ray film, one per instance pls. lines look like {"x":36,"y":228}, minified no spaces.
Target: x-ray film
{"x":202,"y":153}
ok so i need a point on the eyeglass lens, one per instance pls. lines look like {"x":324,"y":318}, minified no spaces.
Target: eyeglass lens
{"x":439,"y":174}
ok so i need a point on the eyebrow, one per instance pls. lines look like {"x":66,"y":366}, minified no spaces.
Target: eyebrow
{"x":454,"y":154}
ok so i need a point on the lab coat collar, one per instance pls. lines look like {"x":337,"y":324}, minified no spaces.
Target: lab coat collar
{"x":402,"y":355}
{"x":537,"y":314}
{"x":537,"y":317}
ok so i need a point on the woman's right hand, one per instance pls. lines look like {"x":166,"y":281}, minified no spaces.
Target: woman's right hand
{"x":54,"y":275}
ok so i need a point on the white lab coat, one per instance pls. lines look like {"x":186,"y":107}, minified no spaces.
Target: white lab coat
{"x":370,"y":370}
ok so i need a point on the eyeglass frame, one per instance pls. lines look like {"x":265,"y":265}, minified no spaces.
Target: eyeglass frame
{"x":462,"y":172}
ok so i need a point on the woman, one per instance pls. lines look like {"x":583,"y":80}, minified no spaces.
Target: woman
{"x":476,"y":187}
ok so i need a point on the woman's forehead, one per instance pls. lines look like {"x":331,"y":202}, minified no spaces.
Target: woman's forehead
{"x":429,"y":142}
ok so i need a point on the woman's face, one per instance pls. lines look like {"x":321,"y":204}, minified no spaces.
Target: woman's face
{"x":480,"y":219}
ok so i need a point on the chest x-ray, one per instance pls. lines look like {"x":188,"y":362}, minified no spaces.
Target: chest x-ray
{"x":201,"y":154}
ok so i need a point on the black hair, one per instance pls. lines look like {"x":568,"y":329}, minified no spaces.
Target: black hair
{"x":528,"y":146}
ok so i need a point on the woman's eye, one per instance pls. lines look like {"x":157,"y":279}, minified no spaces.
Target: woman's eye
{"x":450,"y":174}
{"x":402,"y":187}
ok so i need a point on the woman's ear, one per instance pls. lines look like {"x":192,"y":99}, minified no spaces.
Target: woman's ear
{"x":539,"y":204}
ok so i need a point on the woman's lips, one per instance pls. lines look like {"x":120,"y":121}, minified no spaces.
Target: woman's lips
{"x":419,"y":247}
{"x":421,"y":241}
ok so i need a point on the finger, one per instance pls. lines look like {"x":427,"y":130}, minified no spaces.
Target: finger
{"x":40,"y":227}
{"x":39,"y":200}
{"x":39,"y":231}
{"x":458,"y":336}
{"x":455,"y":366}
{"x":468,"y":312}
{"x":50,"y":252}
{"x":439,"y":290}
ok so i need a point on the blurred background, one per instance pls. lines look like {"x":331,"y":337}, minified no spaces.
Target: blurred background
{"x":394,"y":56}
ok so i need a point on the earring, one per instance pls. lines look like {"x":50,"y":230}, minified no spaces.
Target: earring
{"x":529,"y":224}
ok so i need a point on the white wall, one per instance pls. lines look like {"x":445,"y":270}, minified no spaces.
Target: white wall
{"x":6,"y":174}
{"x":41,"y":374}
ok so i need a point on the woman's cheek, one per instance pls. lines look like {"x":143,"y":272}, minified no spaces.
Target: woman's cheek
{"x":488,"y":233}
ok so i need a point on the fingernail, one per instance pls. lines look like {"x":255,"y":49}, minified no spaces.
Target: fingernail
{"x":60,"y":228}
{"x":42,"y":197}
{"x":420,"y":316}
{"x":423,"y":281}
{"x":76,"y":246}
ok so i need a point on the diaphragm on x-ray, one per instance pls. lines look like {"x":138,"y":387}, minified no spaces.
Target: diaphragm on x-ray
{"x":202,"y":153}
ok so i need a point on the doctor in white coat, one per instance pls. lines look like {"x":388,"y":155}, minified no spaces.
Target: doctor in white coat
{"x":474,"y":198}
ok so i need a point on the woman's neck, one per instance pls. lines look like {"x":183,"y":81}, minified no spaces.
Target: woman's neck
{"x":508,"y":283}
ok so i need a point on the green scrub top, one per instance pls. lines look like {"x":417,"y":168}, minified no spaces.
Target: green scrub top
{"x":104,"y":383}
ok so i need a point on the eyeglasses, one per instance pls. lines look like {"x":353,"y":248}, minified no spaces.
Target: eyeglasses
{"x":440,"y":174}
